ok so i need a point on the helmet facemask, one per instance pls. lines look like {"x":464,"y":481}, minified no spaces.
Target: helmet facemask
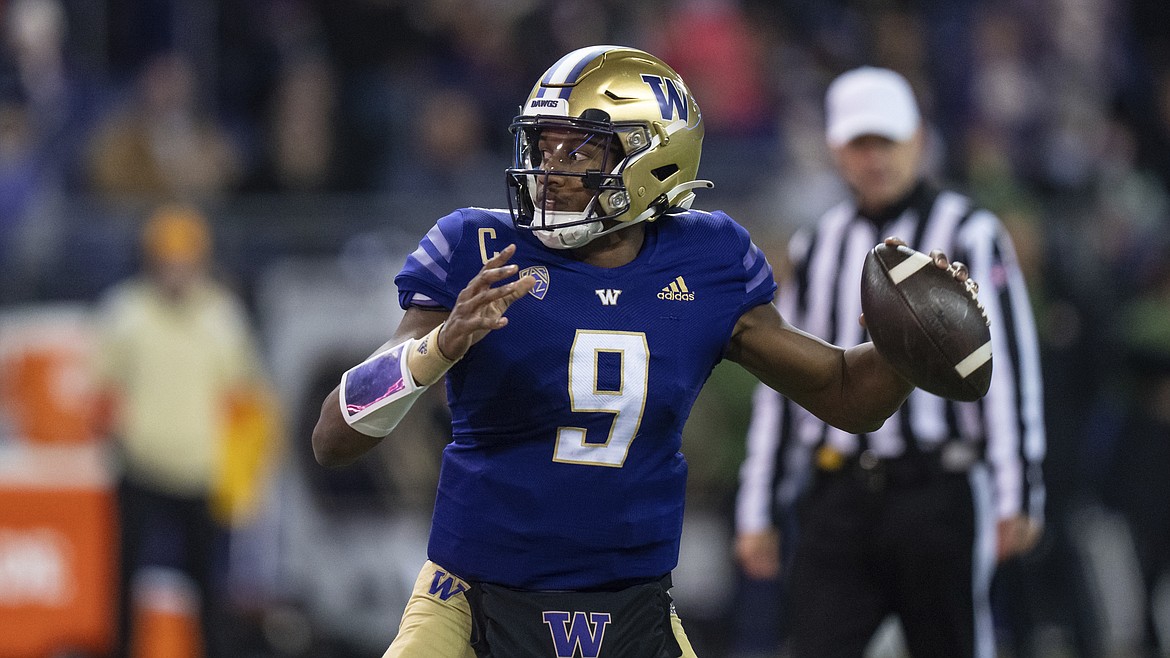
{"x":566,"y":183}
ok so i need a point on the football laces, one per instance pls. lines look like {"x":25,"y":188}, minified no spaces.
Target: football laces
{"x":972,"y":287}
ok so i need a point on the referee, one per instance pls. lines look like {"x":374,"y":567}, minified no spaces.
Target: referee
{"x":910,"y":519}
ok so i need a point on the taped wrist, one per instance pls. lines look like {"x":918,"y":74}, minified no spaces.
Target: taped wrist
{"x":426,"y":361}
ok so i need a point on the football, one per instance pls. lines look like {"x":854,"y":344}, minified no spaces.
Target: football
{"x":927,"y":324}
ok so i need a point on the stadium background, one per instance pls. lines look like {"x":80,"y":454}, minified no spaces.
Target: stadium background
{"x":323,"y":137}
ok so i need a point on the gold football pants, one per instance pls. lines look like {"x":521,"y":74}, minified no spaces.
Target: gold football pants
{"x":437,"y":620}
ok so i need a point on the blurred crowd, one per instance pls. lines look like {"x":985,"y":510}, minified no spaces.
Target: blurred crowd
{"x":299,"y":126}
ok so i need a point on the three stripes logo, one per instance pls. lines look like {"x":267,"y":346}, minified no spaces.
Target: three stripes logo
{"x":677,"y":291}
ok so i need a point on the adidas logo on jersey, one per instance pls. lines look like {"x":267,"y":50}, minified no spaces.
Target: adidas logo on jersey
{"x":677,"y":291}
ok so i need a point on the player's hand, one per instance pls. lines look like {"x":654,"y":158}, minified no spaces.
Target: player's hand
{"x":480,"y":307}
{"x":1015,"y":535}
{"x":759,"y":553}
{"x":958,"y":270}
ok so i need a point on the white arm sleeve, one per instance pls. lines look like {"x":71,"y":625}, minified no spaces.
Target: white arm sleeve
{"x":376,"y":394}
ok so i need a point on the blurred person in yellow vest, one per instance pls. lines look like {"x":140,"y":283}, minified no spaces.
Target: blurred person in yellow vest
{"x":190,"y":413}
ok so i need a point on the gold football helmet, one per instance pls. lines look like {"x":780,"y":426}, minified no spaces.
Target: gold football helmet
{"x":642,"y":128}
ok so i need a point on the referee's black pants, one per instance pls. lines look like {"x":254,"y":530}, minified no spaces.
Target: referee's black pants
{"x":866,"y":550}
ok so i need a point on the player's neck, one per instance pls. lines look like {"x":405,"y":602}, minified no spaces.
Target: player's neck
{"x":613,"y":249}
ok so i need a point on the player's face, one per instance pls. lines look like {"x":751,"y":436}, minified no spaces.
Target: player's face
{"x":880,"y":171}
{"x":571,"y":151}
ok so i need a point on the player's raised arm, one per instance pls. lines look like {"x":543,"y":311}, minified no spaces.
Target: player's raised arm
{"x":854,"y":389}
{"x":376,"y":394}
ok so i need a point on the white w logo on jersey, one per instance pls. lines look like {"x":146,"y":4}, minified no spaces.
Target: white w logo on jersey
{"x":608,"y":296}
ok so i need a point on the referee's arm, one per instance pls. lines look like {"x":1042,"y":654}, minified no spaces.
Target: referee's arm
{"x":757,"y":539}
{"x":769,"y":436}
{"x":1013,"y":408}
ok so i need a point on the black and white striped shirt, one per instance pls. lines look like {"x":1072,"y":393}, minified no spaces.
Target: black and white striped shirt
{"x":822,"y":297}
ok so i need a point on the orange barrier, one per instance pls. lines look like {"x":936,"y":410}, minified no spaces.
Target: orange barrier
{"x":57,"y":551}
{"x":48,"y":392}
{"x":58,"y":535}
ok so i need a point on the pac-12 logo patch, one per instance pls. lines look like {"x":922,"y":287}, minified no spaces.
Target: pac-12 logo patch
{"x":540,"y":273}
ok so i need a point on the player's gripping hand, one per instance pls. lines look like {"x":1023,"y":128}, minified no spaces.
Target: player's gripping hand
{"x":481,"y":305}
{"x":956,"y":269}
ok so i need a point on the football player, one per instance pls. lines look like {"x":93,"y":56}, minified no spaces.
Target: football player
{"x":575,"y":330}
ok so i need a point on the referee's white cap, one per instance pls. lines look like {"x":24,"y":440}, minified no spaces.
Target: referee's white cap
{"x":870,"y":101}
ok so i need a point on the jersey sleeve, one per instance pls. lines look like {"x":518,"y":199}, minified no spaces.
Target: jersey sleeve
{"x":760,"y":283}
{"x":424,"y":280}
